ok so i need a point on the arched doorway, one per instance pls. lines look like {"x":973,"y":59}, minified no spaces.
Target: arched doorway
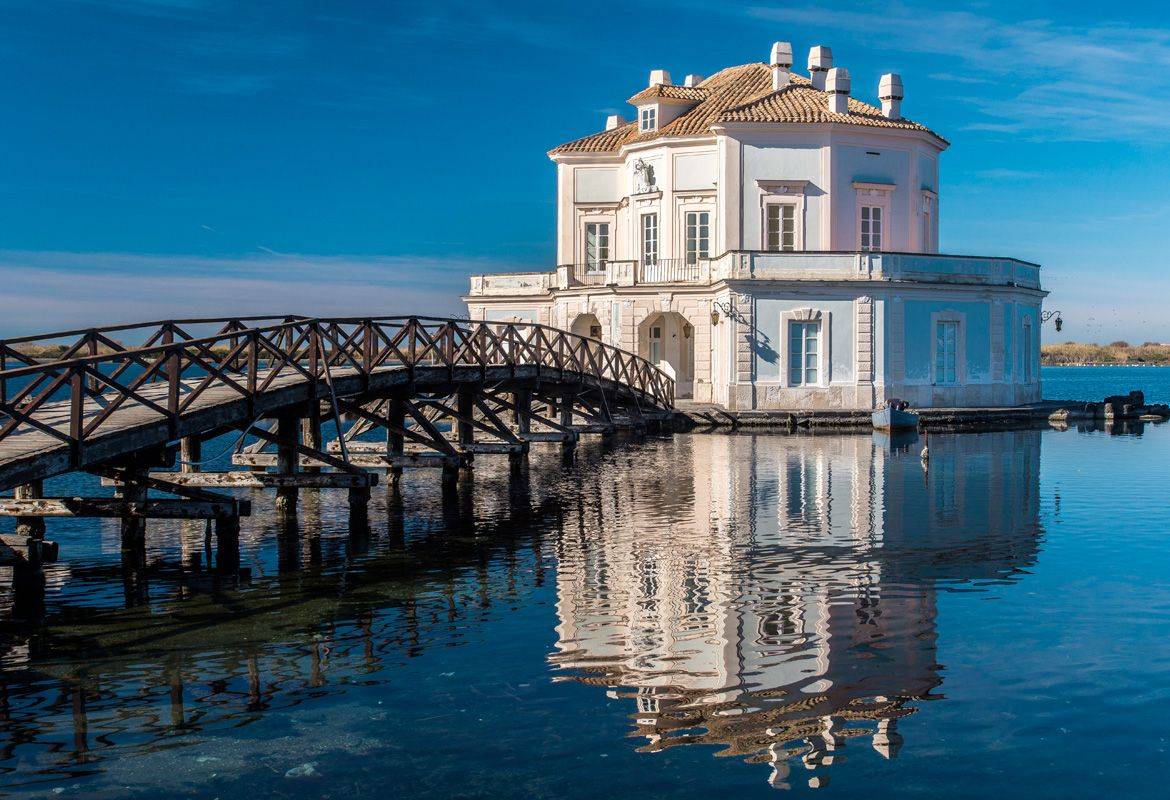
{"x":667,"y":340}
{"x":587,"y":325}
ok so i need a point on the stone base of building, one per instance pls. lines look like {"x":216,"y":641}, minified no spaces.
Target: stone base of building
{"x":864,"y":397}
{"x":699,"y":416}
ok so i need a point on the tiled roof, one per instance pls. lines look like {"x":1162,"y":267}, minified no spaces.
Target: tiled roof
{"x":740,"y":94}
{"x":669,"y":92}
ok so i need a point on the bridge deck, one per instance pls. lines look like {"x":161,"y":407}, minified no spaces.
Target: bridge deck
{"x":30,"y":454}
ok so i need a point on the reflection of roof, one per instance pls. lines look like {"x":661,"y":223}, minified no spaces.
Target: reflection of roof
{"x":738,"y":94}
{"x":754,"y":721}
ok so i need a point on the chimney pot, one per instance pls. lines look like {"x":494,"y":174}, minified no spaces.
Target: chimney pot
{"x":659,"y":76}
{"x":781,"y":65}
{"x":890,"y":92}
{"x":693,"y":80}
{"x":820,"y":61}
{"x":837,"y":84}
{"x":614,"y":121}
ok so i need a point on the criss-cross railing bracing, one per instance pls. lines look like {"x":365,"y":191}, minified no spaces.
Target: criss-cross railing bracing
{"x":70,"y":385}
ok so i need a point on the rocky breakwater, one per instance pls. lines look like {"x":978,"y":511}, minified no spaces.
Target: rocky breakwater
{"x":1115,"y":408}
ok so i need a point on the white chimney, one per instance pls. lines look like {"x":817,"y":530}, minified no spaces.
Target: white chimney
{"x":820,"y":61}
{"x":693,"y":80}
{"x":659,"y":76}
{"x":837,"y":85}
{"x":890,"y":93}
{"x":614,"y":121}
{"x":781,"y":65}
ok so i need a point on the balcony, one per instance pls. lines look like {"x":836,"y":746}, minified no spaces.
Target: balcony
{"x":671,"y":270}
{"x":746,"y":265}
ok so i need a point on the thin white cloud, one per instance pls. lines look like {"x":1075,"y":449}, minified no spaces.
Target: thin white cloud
{"x":46,"y":291}
{"x":1006,"y":174}
{"x":1056,"y":81}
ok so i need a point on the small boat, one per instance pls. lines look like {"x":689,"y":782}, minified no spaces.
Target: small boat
{"x":894,"y":417}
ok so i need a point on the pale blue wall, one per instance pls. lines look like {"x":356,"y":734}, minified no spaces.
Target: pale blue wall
{"x":854,"y":163}
{"x":928,"y":172}
{"x":768,"y":342}
{"x":788,"y":163}
{"x":920,"y":338}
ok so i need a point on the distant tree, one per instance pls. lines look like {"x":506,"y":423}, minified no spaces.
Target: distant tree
{"x":1119,"y":343}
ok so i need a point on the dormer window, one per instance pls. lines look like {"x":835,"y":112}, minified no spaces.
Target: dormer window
{"x":648,"y":119}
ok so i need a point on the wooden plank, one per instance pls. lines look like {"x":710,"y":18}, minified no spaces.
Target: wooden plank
{"x":117,"y":507}
{"x":265,"y":480}
{"x":493,"y":448}
{"x":551,"y":436}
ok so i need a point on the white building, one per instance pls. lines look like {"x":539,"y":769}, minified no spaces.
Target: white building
{"x":773,"y":242}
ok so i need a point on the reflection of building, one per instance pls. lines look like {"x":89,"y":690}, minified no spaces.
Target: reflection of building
{"x":782,"y":601}
{"x":772,"y":242}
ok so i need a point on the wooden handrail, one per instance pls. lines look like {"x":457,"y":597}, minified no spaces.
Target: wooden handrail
{"x":249,"y":359}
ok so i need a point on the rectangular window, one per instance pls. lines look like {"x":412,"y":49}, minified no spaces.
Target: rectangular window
{"x":946,"y":352}
{"x":655,"y":344}
{"x":698,"y":231}
{"x":927,"y":233}
{"x":804,"y":353}
{"x":596,"y":245}
{"x":648,"y":119}
{"x":871,"y":227}
{"x":780,"y":227}
{"x":649,"y":239}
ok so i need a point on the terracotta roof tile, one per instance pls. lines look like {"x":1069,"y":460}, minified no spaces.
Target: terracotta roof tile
{"x":670,"y":92}
{"x":740,"y":94}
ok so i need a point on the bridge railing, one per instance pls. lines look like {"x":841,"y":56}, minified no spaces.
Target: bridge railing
{"x":68,"y":385}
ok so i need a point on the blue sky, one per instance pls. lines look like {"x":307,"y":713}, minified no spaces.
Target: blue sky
{"x":184,"y":157}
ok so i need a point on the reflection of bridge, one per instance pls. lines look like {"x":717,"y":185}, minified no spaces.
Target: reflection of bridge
{"x":450,"y":389}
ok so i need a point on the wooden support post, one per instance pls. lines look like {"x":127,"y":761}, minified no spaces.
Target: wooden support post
{"x":465,"y":405}
{"x":522,"y":399}
{"x":133,"y":526}
{"x":30,"y":526}
{"x":227,"y":544}
{"x":568,"y":399}
{"x":190,"y":454}
{"x":286,"y":463}
{"x":359,"y":506}
{"x":311,"y":431}
{"x":134,"y":492}
{"x":396,"y":416}
{"x":28,"y":590}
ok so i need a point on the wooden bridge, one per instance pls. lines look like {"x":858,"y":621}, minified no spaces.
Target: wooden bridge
{"x":436,"y":393}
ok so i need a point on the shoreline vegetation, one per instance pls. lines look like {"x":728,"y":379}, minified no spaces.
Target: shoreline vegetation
{"x":1115,"y":354}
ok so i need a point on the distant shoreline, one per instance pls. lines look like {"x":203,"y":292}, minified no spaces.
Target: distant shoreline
{"x":1115,"y":354}
{"x":1098,"y":364}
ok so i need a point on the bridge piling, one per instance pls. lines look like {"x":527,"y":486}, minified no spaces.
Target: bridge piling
{"x":502,"y":386}
{"x":132,"y":490}
{"x":395,"y":441}
{"x":190,"y":455}
{"x":311,"y":431}
{"x":30,"y":526}
{"x":287,"y":463}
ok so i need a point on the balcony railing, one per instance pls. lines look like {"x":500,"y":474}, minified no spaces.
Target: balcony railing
{"x":669,"y":270}
{"x":806,"y":265}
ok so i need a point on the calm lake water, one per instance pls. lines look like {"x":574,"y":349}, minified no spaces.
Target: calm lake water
{"x":685,"y":616}
{"x":1095,"y":383}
